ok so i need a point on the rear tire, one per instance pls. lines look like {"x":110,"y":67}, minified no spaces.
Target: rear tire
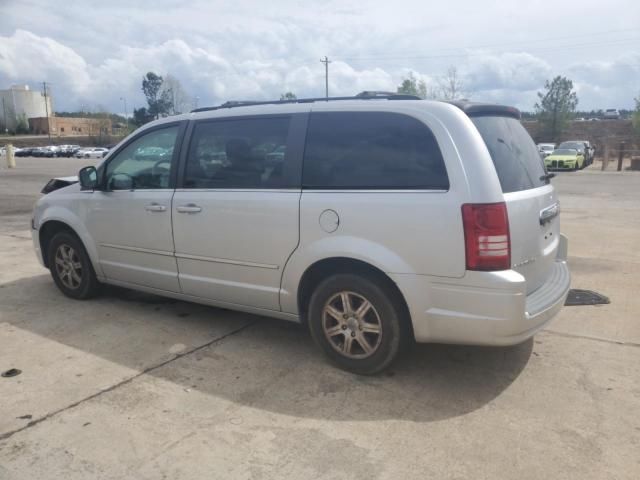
{"x":71,"y":267}
{"x":363,"y":336}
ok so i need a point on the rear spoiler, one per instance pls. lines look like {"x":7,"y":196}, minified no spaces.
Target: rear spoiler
{"x":473,"y":109}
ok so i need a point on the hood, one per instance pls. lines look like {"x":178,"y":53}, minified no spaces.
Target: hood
{"x":561,"y":157}
{"x":58,"y":183}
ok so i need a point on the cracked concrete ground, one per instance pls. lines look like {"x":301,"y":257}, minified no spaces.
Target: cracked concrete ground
{"x":136,"y":386}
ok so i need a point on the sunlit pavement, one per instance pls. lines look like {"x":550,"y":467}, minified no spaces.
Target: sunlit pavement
{"x":137,"y":386}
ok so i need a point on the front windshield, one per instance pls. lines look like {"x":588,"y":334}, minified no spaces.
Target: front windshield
{"x":565,"y":151}
{"x":573,"y":145}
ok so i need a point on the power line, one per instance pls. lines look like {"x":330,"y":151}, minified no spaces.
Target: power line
{"x":538,"y":50}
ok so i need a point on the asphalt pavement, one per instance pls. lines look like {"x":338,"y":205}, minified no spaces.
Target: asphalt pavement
{"x":136,"y":386}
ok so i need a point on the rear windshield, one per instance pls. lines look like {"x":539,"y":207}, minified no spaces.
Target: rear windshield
{"x":513,"y":152}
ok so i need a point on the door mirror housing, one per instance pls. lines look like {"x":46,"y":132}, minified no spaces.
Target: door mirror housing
{"x":88,"y":177}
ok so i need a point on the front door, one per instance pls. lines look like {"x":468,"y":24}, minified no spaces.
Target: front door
{"x":236,"y":216}
{"x":130,"y":218}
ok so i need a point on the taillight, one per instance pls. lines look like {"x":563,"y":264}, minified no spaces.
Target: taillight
{"x":486,"y":236}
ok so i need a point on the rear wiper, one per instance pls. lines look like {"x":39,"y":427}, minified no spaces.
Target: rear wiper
{"x":547,"y":176}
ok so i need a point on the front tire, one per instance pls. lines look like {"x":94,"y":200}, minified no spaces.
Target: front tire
{"x":71,"y":267}
{"x":357,"y":323}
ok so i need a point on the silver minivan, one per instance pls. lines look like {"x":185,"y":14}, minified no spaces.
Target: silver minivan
{"x":374,"y":220}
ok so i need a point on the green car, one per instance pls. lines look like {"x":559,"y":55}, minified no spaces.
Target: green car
{"x":564,"y":159}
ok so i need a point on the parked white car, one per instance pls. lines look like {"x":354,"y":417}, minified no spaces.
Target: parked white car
{"x":386,"y":221}
{"x":611,"y":114}
{"x":94,"y":152}
{"x":545,"y":149}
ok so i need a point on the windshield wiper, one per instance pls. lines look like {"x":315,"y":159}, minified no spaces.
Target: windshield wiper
{"x":547,"y":177}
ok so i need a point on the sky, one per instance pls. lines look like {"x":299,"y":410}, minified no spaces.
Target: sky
{"x":94,"y":54}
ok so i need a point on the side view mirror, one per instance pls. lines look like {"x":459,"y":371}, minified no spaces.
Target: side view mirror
{"x":88,"y":177}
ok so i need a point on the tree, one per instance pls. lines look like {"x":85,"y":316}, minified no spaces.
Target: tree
{"x":179,"y":100}
{"x":158,"y":99}
{"x":636,"y":116}
{"x":22,"y":125}
{"x":98,"y":113}
{"x":100,"y":130}
{"x":288,"y":96}
{"x":451,"y":86}
{"x":556,"y":107}
{"x":141,"y":116}
{"x":412,"y":86}
{"x":8,"y":113}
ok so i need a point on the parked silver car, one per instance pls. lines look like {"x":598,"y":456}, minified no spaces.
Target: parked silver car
{"x":91,"y":152}
{"x":385,"y":220}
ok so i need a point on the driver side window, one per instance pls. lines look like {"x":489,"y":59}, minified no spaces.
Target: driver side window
{"x":145,"y":163}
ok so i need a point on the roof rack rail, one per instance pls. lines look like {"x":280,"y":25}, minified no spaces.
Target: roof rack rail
{"x":366,"y":95}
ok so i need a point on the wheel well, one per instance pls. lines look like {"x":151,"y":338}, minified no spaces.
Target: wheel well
{"x":320,"y":270}
{"x":47,"y":232}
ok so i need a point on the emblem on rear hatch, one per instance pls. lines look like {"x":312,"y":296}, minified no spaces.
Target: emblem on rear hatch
{"x":526,"y":262}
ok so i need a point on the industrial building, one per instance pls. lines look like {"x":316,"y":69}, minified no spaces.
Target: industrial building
{"x":69,"y":126}
{"x":18,"y":104}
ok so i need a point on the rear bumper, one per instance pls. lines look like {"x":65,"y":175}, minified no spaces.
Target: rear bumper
{"x":484,"y":308}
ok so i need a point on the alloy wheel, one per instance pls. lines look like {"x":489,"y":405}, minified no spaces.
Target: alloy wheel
{"x":352,"y":325}
{"x":68,"y":266}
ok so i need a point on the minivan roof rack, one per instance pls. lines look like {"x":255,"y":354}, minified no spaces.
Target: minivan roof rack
{"x":366,"y":95}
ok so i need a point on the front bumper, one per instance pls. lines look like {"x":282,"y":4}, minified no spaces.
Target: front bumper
{"x":561,"y":165}
{"x":35,"y":239}
{"x":484,"y":308}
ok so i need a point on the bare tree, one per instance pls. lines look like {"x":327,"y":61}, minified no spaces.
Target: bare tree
{"x":179,"y":99}
{"x":451,"y":85}
{"x":430,"y":92}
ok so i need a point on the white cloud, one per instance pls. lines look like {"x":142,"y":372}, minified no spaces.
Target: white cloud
{"x":28,"y":57}
{"x":509,"y":71}
{"x":248,"y":49}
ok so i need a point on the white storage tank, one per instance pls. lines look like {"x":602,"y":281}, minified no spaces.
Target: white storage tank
{"x":19,"y":102}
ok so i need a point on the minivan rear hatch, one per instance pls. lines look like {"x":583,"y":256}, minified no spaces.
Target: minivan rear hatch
{"x":531,"y":200}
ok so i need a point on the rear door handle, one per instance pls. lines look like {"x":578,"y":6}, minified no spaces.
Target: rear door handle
{"x":547,"y":214}
{"x":189,"y":208}
{"x":155,"y":207}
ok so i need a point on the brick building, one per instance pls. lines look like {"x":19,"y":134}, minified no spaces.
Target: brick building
{"x":69,"y":126}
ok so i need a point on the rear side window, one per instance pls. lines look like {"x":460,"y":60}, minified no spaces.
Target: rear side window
{"x":239,"y":153}
{"x":513,"y":152}
{"x":371,"y":150}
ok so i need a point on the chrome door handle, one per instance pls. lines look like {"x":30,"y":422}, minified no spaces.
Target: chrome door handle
{"x":155,"y":207}
{"x":189,"y":208}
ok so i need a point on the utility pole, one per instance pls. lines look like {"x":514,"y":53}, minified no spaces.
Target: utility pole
{"x":46,"y":109}
{"x":4,"y":111}
{"x":126,"y":117}
{"x":326,"y":62}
